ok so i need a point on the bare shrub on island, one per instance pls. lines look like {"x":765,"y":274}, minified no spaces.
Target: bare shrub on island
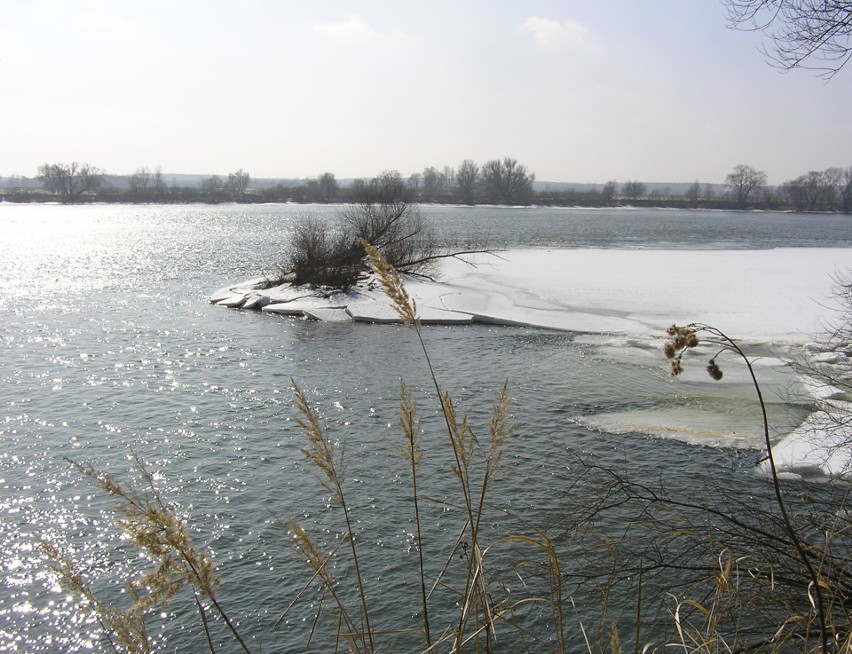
{"x":330,"y":254}
{"x":319,"y":257}
{"x":384,"y":215}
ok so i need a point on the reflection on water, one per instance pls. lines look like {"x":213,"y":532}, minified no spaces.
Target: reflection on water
{"x":109,"y":351}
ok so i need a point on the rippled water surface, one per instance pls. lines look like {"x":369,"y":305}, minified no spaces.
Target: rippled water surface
{"x":109,"y":353}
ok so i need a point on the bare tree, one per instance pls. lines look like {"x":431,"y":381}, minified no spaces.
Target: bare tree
{"x":328,"y":188}
{"x":433,"y":184}
{"x":211,"y":188}
{"x":415,"y":183}
{"x":846,"y":190}
{"x":814,"y":34}
{"x":70,"y":181}
{"x":159,"y":184}
{"x":140,"y":182}
{"x":609,"y":192}
{"x":743,"y":180}
{"x":812,"y":185}
{"x":467,"y":179}
{"x":322,"y":189}
{"x":795,"y":192}
{"x":146,"y":185}
{"x":693,"y":194}
{"x":832,"y":179}
{"x":448,"y":174}
{"x":816,"y":190}
{"x":634,"y":189}
{"x":237,"y":183}
{"x":437,"y":184}
{"x":507,"y":182}
{"x":384,"y":215}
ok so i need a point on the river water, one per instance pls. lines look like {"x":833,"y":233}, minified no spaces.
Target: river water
{"x":110,"y":352}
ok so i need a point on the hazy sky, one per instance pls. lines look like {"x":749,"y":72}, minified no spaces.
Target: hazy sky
{"x":581,"y":91}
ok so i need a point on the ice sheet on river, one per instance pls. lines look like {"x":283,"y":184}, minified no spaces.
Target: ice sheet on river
{"x":769,"y":295}
{"x":780,"y":297}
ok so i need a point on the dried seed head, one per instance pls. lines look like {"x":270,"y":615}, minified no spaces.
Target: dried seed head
{"x":676,"y":367}
{"x":713,"y":370}
{"x":393,"y":287}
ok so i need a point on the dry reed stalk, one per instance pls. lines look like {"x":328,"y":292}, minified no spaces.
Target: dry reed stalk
{"x":323,"y":453}
{"x":462,"y":440}
{"x":555,"y":602}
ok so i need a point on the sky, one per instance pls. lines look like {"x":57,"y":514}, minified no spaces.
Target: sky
{"x":577,"y":91}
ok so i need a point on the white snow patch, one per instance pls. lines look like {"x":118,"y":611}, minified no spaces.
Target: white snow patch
{"x":767,"y":295}
{"x":820,"y":447}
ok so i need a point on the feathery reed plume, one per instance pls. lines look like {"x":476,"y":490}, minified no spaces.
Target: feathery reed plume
{"x":122,"y":627}
{"x":314,"y":556}
{"x":330,"y":460}
{"x":324,"y":453}
{"x":159,"y":531}
{"x":500,"y":430}
{"x":319,"y":563}
{"x":614,"y":640}
{"x":393,"y":287}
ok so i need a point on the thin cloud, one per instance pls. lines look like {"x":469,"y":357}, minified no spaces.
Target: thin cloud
{"x":550,"y":34}
{"x":356,"y":31}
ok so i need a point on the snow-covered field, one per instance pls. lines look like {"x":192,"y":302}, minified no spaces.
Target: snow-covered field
{"x":781,"y":297}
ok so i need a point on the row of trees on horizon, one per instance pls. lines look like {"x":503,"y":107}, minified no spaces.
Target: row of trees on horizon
{"x":499,"y":181}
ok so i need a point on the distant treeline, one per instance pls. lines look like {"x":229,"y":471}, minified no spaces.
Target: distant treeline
{"x":499,"y":181}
